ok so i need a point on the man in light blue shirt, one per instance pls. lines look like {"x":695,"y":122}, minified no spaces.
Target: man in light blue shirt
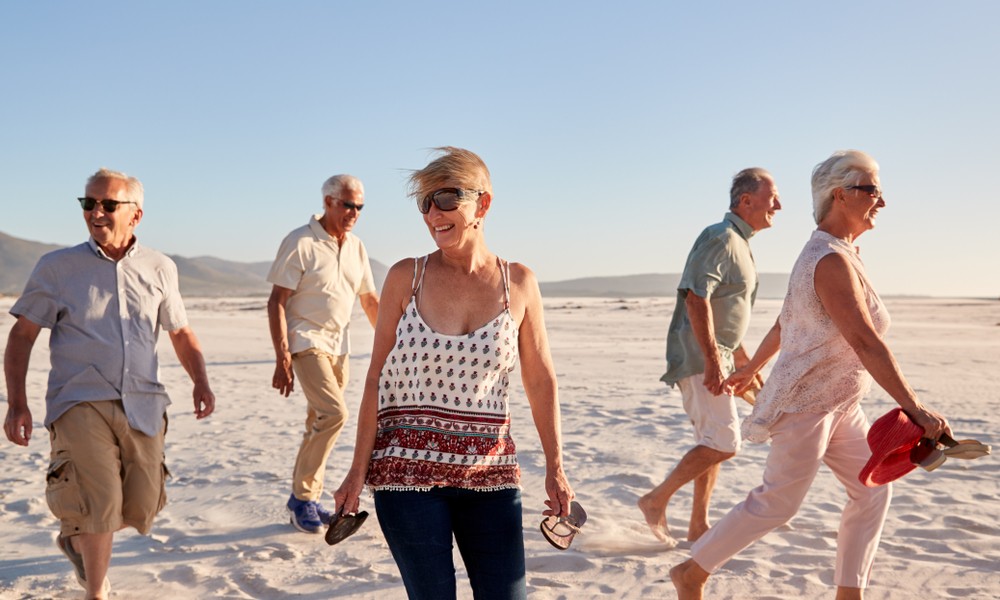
{"x":712,"y":314}
{"x":105,"y":302}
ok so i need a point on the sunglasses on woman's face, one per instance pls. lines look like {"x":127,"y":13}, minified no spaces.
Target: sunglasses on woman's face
{"x":447,"y":199}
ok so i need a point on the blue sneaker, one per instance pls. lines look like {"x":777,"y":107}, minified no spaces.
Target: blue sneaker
{"x":325,"y":516}
{"x":304,"y":515}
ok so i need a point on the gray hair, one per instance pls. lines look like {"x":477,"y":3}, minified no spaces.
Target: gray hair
{"x":338,"y":183}
{"x":746,"y":181}
{"x":843,"y":168}
{"x":133,"y":187}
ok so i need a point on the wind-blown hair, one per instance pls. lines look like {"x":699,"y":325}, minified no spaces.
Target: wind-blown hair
{"x":746,"y":181}
{"x":454,"y":167}
{"x":335,"y":185}
{"x":843,"y":168}
{"x":133,"y":187}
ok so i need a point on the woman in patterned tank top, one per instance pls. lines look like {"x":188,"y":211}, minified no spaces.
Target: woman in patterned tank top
{"x":830,"y":334}
{"x":434,"y":438}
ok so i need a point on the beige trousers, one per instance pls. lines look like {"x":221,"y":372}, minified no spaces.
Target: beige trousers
{"x":800,"y":443}
{"x":322,"y":378}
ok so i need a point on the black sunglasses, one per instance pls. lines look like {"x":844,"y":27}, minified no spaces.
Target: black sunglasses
{"x":350,"y":205}
{"x":446,"y":199}
{"x":871,"y":190}
{"x":108,"y":206}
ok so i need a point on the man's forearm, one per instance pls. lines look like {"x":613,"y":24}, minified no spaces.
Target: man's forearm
{"x":703,"y":326}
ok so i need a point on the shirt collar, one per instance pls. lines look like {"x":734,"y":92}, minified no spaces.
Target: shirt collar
{"x":96,"y":249}
{"x":742,"y":226}
{"x":317,"y":230}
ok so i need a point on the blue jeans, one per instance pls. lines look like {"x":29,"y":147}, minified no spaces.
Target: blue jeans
{"x":418,"y":527}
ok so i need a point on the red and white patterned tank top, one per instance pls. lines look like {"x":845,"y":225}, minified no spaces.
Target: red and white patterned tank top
{"x":443,"y":414}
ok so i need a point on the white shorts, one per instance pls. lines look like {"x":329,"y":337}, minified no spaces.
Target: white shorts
{"x":716,"y":424}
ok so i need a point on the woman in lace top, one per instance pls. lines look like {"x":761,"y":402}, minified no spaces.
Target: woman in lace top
{"x":434,"y":439}
{"x":830,"y":333}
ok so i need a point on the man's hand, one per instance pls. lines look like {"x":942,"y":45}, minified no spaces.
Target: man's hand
{"x":17,"y":425}
{"x":204,"y":400}
{"x":284,"y":377}
{"x":714,"y":378}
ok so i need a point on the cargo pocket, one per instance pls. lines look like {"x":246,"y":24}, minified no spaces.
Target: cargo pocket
{"x":163,"y":487}
{"x":62,"y":490}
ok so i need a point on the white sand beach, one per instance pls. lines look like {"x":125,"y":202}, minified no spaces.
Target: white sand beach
{"x":225,"y":532}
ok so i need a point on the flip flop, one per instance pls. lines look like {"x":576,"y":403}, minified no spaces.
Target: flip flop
{"x":964,"y":449}
{"x":343,"y":526}
{"x":560,"y":531}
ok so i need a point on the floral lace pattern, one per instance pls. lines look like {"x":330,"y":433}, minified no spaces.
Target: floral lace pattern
{"x":817,"y":370}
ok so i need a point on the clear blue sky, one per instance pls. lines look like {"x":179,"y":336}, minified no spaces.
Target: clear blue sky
{"x":611,"y":129}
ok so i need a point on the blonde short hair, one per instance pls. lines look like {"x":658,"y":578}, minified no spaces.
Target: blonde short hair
{"x":453,"y":166}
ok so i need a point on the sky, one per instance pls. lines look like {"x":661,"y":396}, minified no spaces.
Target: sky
{"x":612,"y":130}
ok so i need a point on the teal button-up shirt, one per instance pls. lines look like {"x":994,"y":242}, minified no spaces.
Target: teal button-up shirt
{"x":719,"y":267}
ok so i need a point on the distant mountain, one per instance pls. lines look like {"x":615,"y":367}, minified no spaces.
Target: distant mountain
{"x":209,"y":276}
{"x":200,"y":276}
{"x":17,"y":259}
{"x":772,"y":285}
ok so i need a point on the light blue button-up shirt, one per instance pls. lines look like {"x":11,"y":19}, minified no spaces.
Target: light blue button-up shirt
{"x":105,"y":318}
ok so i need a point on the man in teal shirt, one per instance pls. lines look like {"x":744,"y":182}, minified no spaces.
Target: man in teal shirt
{"x":712,"y":314}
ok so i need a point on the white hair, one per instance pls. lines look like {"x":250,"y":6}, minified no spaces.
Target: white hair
{"x":842,"y":169}
{"x":133,"y":187}
{"x":338,"y":183}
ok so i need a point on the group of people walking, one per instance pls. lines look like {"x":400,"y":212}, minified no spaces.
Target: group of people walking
{"x":433,"y":441}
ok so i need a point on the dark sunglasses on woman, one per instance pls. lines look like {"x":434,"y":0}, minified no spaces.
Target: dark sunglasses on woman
{"x":447,"y":199}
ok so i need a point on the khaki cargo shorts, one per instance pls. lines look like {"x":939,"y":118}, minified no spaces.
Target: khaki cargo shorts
{"x":103,"y":475}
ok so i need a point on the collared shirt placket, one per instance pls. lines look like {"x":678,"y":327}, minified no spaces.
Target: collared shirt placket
{"x":123,"y":316}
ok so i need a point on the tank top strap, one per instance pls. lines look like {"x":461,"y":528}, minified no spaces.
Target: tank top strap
{"x":417,"y":282}
{"x":505,"y":273}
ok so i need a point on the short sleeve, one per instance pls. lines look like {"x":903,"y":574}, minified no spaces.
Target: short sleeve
{"x":704,"y":269}
{"x":367,"y":279}
{"x":39,"y":301}
{"x":287,"y":268}
{"x":172,"y":314}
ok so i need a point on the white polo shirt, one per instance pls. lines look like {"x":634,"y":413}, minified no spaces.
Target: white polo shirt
{"x":325,"y":278}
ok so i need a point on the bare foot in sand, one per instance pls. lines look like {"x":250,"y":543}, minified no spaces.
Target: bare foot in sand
{"x":689,"y":580}
{"x":656,"y":518}
{"x":696,"y":530}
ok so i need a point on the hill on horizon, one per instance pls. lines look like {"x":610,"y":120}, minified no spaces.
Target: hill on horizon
{"x":210,"y":276}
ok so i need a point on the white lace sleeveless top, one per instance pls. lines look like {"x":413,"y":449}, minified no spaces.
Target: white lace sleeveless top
{"x":817,"y":370}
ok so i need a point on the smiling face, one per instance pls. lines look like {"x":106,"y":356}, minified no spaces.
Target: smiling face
{"x":340,"y":213}
{"x":450,"y":228}
{"x":862,"y":202}
{"x":111,"y":230}
{"x":758,"y":208}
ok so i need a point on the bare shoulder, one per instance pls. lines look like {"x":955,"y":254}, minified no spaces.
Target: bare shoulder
{"x":522,"y":277}
{"x":398,"y":283}
{"x":833,"y":270}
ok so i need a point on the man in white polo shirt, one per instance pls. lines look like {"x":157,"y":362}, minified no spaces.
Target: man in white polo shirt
{"x":319,"y":270}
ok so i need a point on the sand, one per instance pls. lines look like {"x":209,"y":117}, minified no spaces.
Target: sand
{"x":225,"y":532}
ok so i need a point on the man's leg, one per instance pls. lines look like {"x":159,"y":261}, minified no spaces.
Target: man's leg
{"x":322,"y":378}
{"x":692,"y":466}
{"x":703,"y":486}
{"x":95,"y":548}
{"x":717,"y":438}
{"x":84,"y":488}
